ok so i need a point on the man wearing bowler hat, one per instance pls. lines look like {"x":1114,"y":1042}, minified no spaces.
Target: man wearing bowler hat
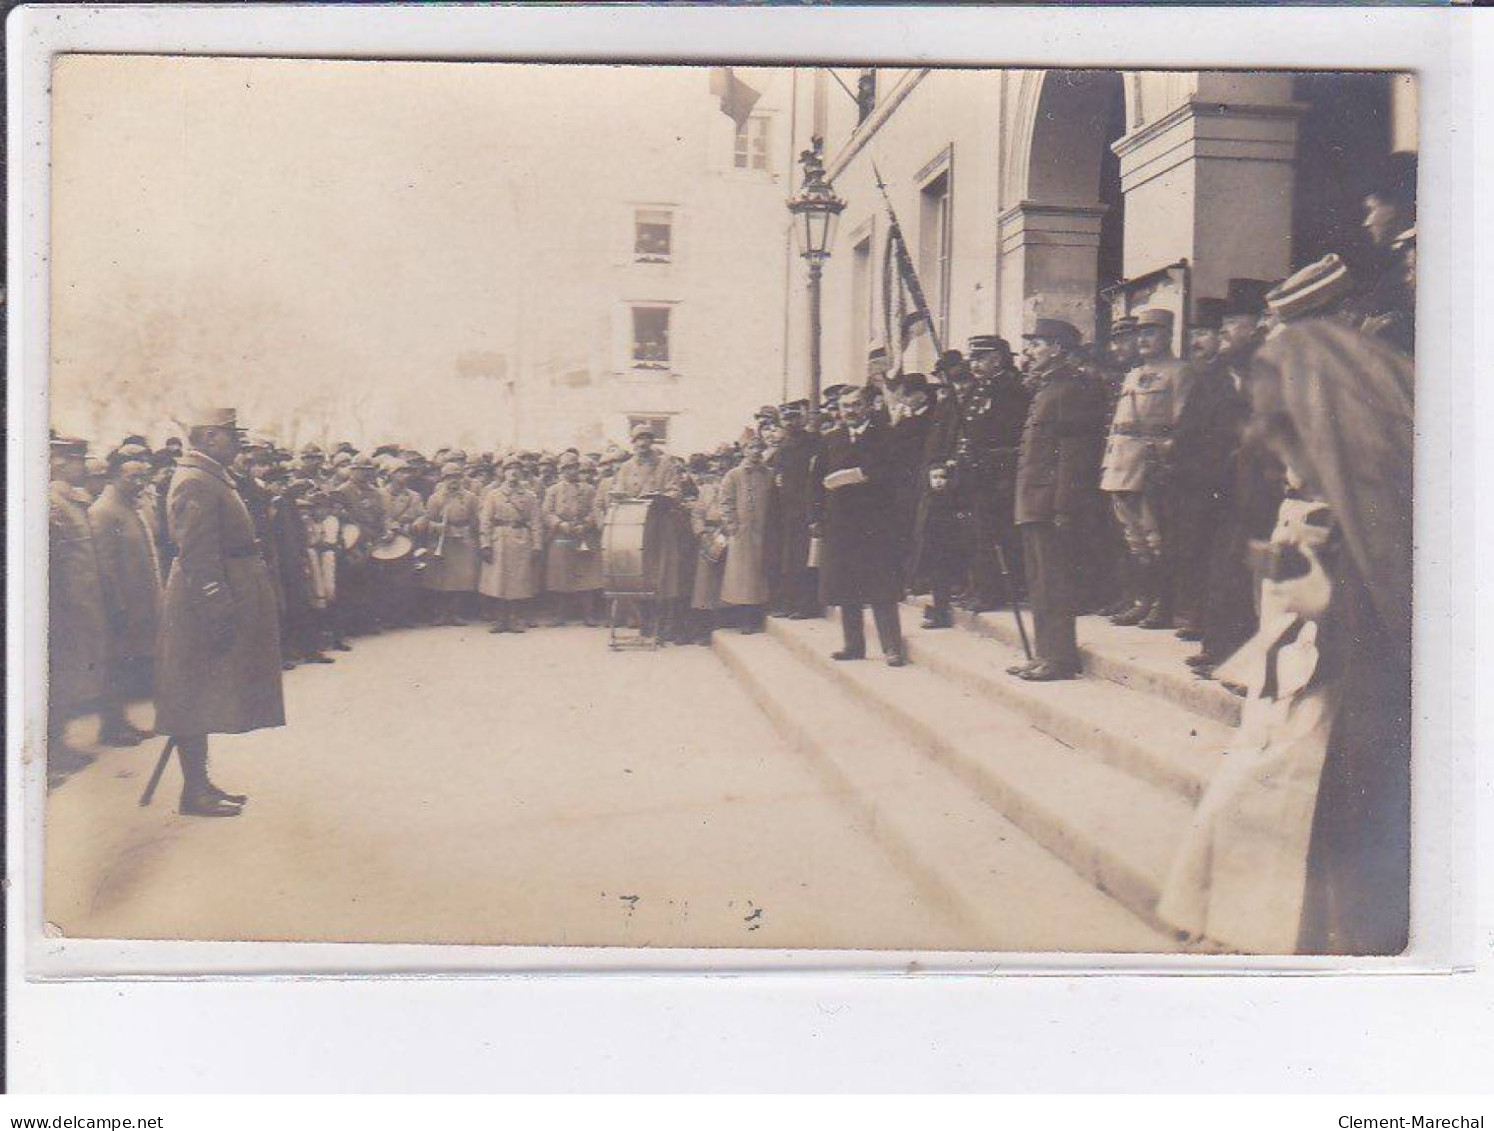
{"x":1138,"y":464}
{"x":1055,"y":491}
{"x":218,"y":648}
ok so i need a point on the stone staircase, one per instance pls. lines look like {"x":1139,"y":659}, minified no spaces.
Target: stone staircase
{"x":1102,"y":772}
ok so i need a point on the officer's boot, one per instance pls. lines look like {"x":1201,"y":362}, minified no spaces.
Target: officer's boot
{"x":1143,"y":578}
{"x":200,"y":798}
{"x":1160,"y":614}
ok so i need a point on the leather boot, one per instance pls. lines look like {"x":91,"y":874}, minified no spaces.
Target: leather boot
{"x":1159,"y":616}
{"x":1142,"y":573}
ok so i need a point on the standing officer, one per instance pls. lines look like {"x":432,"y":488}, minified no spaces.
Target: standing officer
{"x":1138,"y":464}
{"x":861,"y":565}
{"x":1055,"y":491}
{"x":131,"y":582}
{"x":218,"y":649}
{"x":997,"y":420}
{"x":76,"y":629}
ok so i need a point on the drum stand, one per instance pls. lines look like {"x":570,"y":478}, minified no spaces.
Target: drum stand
{"x":630,"y":641}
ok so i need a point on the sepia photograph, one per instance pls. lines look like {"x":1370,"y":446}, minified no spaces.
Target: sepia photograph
{"x":829,"y":508}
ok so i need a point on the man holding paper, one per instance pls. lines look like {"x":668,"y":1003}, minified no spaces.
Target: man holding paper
{"x":858,"y":521}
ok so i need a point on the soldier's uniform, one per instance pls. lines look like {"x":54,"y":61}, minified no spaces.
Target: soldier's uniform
{"x":1054,"y":491}
{"x":76,"y":628}
{"x":218,"y":648}
{"x":1137,"y":467}
{"x":131,"y":580}
{"x":573,"y":564}
{"x":451,"y":524}
{"x":510,"y":532}
{"x":403,"y":508}
{"x":358,"y":594}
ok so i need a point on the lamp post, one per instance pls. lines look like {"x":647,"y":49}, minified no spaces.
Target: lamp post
{"x":815,"y":208}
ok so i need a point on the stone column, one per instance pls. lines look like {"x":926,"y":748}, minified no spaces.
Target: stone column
{"x":1211,"y":182}
{"x":1049,"y":265}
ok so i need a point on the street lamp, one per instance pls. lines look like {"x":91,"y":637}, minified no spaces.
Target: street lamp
{"x":815,"y":208}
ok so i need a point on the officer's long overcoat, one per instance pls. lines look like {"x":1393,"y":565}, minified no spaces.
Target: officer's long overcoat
{"x":205,"y":684}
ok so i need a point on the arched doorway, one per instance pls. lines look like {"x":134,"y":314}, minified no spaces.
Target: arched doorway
{"x":1063,"y":238}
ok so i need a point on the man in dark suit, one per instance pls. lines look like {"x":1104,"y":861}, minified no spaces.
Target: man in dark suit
{"x":1057,"y":474}
{"x":855,"y":506}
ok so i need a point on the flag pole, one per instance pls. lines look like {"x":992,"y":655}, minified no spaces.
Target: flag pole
{"x":910,"y":273}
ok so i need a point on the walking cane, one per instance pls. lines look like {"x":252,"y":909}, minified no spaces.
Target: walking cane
{"x":155,"y":777}
{"x":1011,"y":597}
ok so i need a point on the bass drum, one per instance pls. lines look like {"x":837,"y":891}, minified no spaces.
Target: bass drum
{"x":628,"y":538}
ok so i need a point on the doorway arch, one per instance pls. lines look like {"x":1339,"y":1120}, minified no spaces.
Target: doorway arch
{"x":1061,"y":239}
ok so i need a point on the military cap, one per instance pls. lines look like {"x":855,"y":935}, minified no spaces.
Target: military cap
{"x":363,"y":463}
{"x":642,"y":430}
{"x":767,"y":412}
{"x":275,"y":473}
{"x":311,"y":451}
{"x":162,"y":459}
{"x":1312,"y":289}
{"x":132,"y":449}
{"x":698,"y":463}
{"x":452,"y":470}
{"x":1246,"y":298}
{"x":512,"y":461}
{"x":915,"y":383}
{"x":68,"y":446}
{"x":834,"y":392}
{"x":1055,"y":331}
{"x":347,"y":446}
{"x":1154,"y":316}
{"x":1208,"y":313}
{"x":1126,"y":324}
{"x":567,"y":459}
{"x":456,"y":455}
{"x":791,"y":407}
{"x":95,"y":467}
{"x":341,"y":459}
{"x":134,"y":438}
{"x":988,"y":343}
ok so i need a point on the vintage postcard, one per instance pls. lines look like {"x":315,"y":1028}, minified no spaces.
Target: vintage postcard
{"x":780,"y":507}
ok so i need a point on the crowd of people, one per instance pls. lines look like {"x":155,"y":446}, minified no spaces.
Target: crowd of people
{"x":1251,"y":496}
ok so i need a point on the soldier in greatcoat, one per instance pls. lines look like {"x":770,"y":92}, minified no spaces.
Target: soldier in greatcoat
{"x":1055,"y":491}
{"x":648,"y":472}
{"x":573,"y":561}
{"x":745,"y":498}
{"x":1137,"y":467}
{"x":131,"y":583}
{"x":859,"y":523}
{"x":218,"y":648}
{"x":510,"y":529}
{"x":450,"y":529}
{"x":76,"y":629}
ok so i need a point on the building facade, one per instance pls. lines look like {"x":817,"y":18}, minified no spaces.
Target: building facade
{"x":665,"y":303}
{"x":1027,"y":193}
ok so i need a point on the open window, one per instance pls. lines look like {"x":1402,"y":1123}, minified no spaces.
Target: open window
{"x":653,"y":235}
{"x":651,"y":337}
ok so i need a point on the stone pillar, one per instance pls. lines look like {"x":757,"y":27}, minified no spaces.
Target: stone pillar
{"x":1211,"y":182}
{"x":1049,"y":265}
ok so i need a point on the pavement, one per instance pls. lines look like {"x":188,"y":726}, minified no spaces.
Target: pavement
{"x":445,"y":785}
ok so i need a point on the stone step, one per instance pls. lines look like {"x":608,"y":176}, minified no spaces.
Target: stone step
{"x":1138,"y":658}
{"x":1114,"y":828}
{"x":998,"y":886}
{"x":1149,"y":737}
